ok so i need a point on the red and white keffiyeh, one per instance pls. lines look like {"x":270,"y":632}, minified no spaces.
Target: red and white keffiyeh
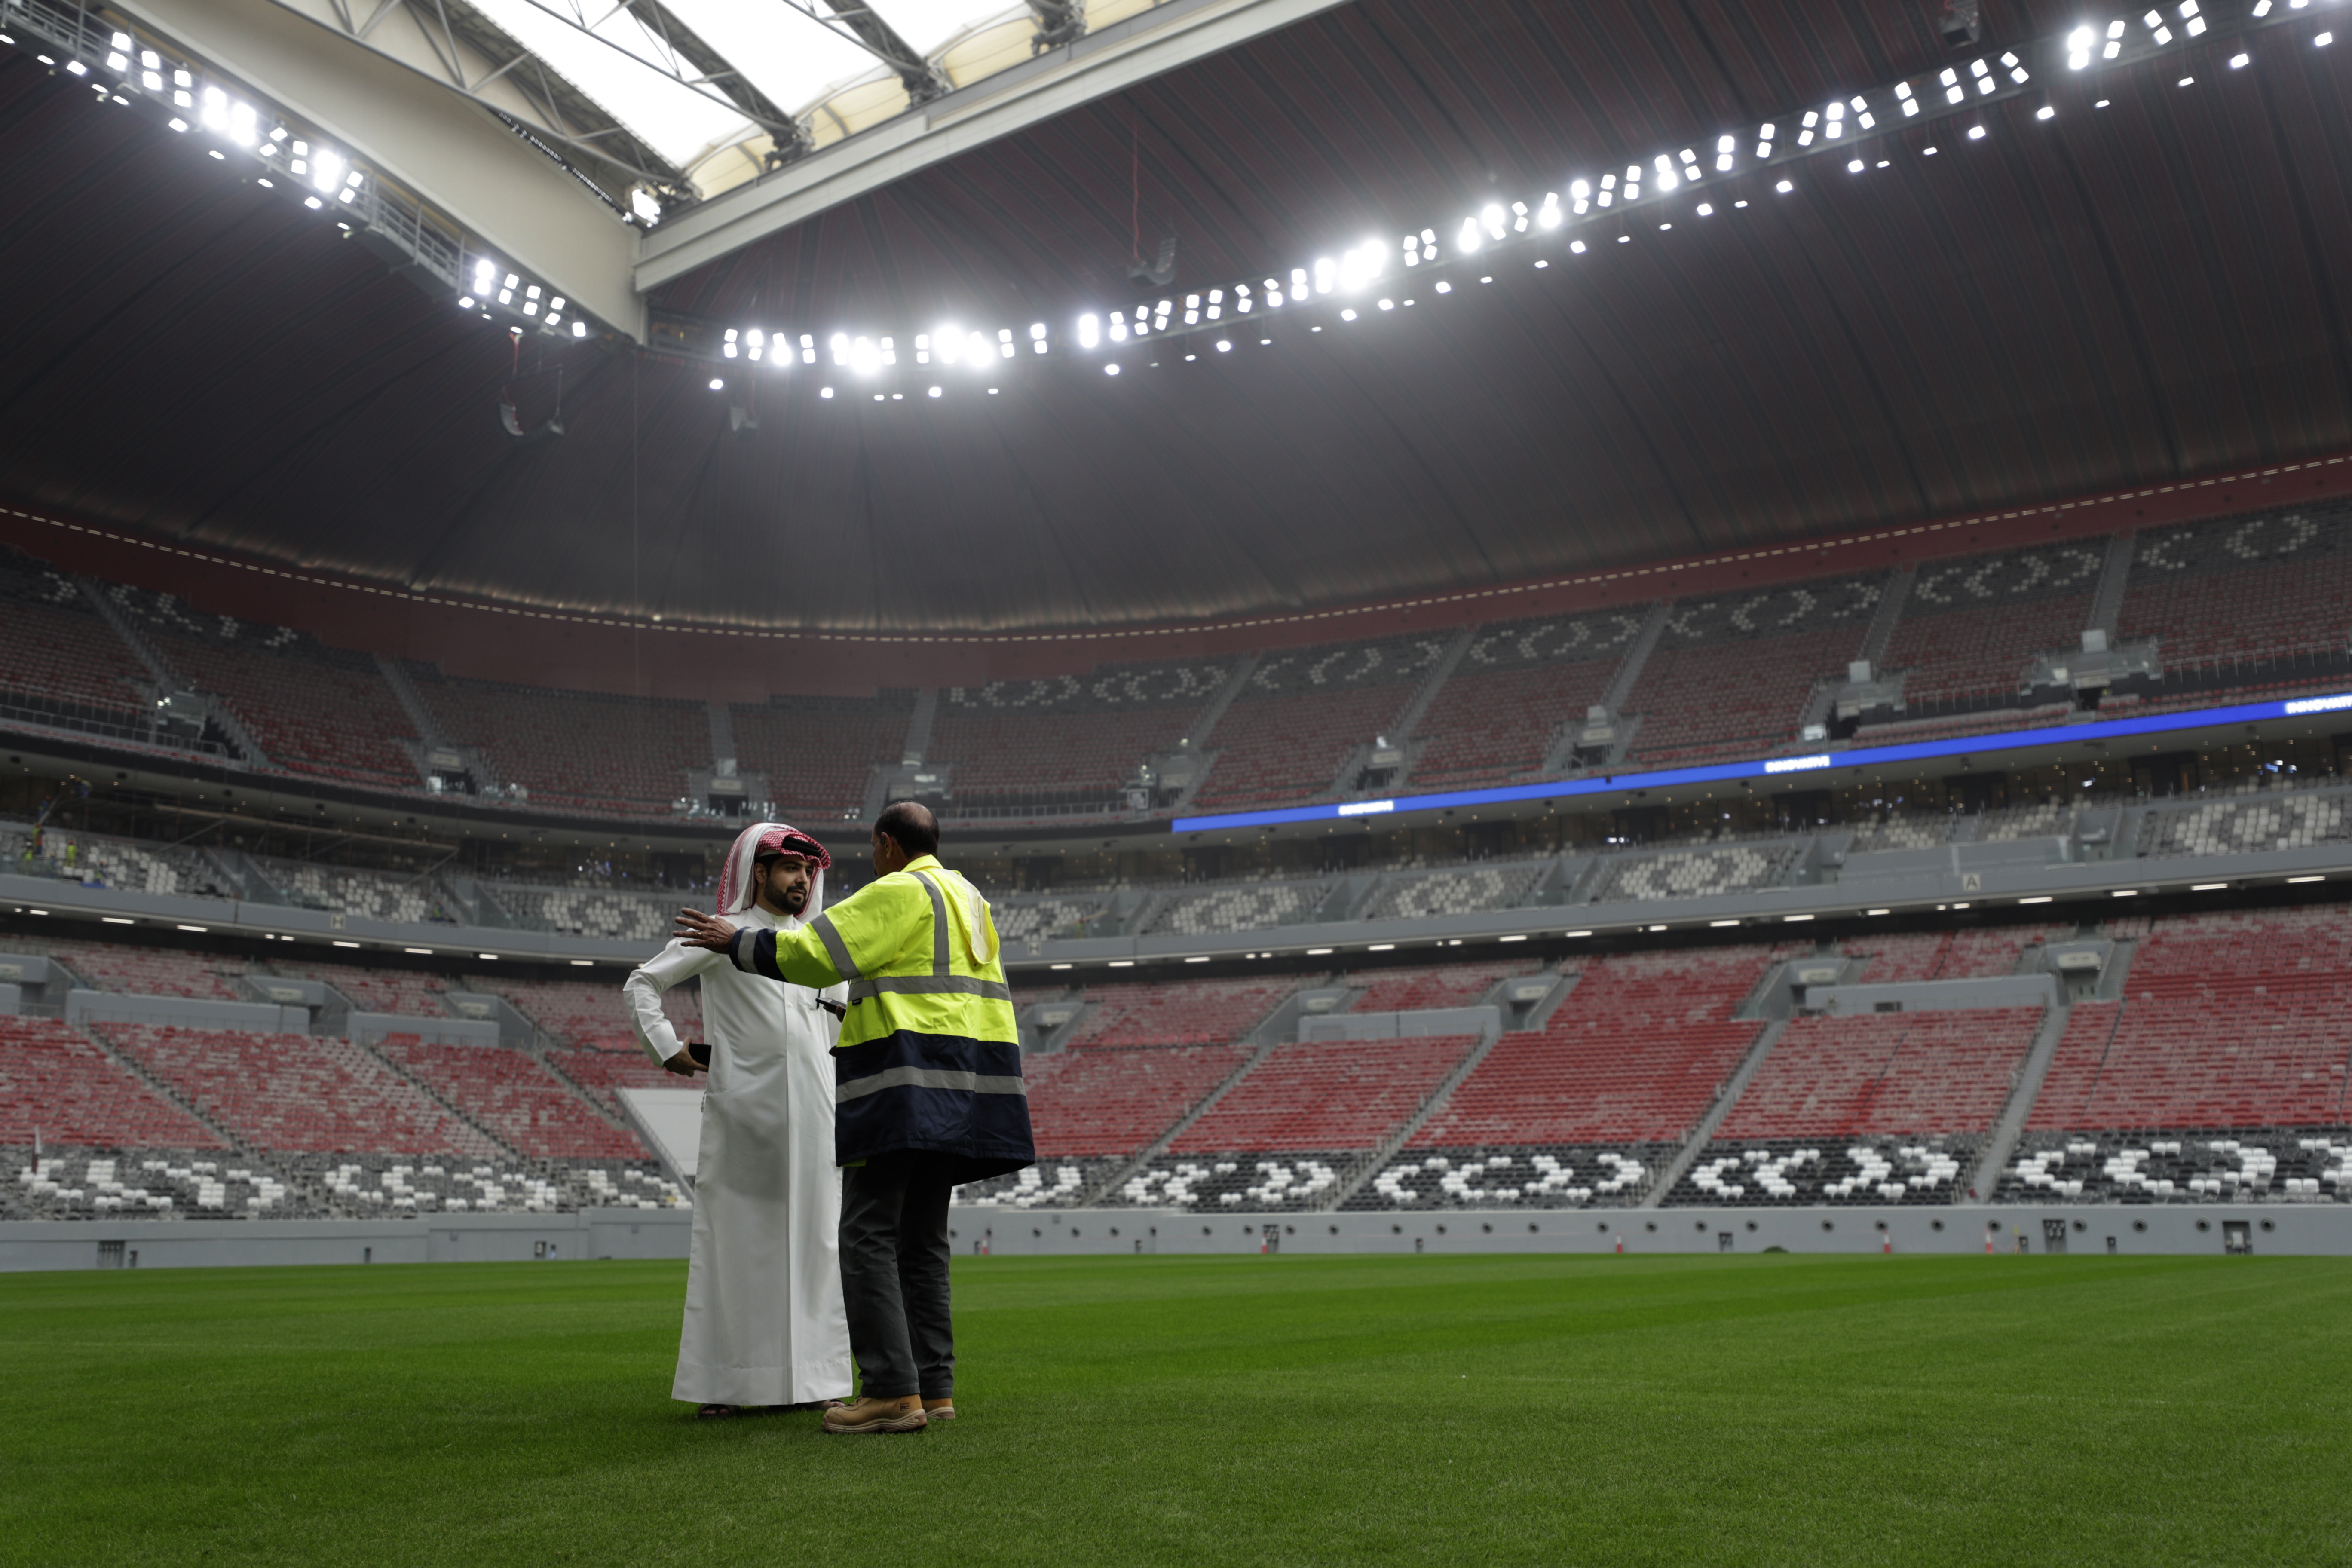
{"x":735,"y":886}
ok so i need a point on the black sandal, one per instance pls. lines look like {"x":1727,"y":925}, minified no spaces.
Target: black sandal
{"x":717,"y":1412}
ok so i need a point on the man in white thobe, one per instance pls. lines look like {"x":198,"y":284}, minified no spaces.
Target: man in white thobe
{"x":765,"y":1322}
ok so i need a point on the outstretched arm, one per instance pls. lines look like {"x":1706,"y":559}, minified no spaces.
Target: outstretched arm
{"x":801,"y":957}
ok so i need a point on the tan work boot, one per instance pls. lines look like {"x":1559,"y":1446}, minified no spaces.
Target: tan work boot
{"x":940,"y":1409}
{"x":902,"y":1414}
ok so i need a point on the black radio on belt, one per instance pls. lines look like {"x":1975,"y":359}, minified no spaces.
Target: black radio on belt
{"x":698,"y":1051}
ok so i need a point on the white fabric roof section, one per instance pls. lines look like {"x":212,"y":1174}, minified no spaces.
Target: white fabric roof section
{"x":608,"y":52}
{"x":795,"y":59}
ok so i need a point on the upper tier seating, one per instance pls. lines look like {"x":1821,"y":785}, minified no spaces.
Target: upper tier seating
{"x":1301,"y":713}
{"x":1467,"y":891}
{"x":1732,"y":700}
{"x":1971,"y":627}
{"x":1246,"y":906}
{"x":1062,"y":757}
{"x":582,"y":750}
{"x":54,"y":647}
{"x":1326,"y":1096}
{"x":1179,"y":1013}
{"x":1107,"y":1101}
{"x":1517,"y":683}
{"x":1635,"y":1054}
{"x":144,"y":971}
{"x":55,"y":1083}
{"x":514,"y":1098}
{"x":1730,"y":675}
{"x":818,"y":752}
{"x":2244,"y":586}
{"x":91,"y":859}
{"x":1431,"y":985}
{"x":1885,"y":1073}
{"x":587,"y":1016}
{"x":298,"y":1092}
{"x":314,"y":710}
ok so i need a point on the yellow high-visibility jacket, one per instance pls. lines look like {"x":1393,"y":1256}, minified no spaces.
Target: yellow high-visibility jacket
{"x":929,"y":1055}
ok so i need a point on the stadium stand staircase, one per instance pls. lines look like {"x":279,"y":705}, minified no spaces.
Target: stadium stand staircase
{"x":1401,"y":729}
{"x":1204,"y":727}
{"x":723,"y":733}
{"x":168,"y":1093}
{"x":2115,"y":582}
{"x":2010,"y":1123}
{"x":165,"y":677}
{"x":1118,"y":1174}
{"x":1389,"y":1146}
{"x":1628,"y":673}
{"x":455,"y":1111}
{"x":919,"y":727}
{"x":1725,"y":1097}
{"x":1882,"y":620}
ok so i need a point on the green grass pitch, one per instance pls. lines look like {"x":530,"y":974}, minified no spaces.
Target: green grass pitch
{"x":1279,"y":1410}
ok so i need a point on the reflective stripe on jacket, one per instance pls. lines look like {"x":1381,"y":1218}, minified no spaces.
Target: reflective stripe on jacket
{"x":930,"y":1057}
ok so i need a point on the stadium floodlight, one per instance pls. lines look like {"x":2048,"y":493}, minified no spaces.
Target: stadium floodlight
{"x":645,"y":205}
{"x":948,"y":343}
{"x":1037,"y":337}
{"x":1327,"y":274}
{"x":1005,"y":343}
{"x":579,"y":329}
{"x":1089,"y":330}
{"x":1469,"y":239}
{"x":327,"y":171}
{"x":975,"y":350}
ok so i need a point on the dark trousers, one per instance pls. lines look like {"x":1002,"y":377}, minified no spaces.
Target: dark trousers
{"x":894,"y":1274}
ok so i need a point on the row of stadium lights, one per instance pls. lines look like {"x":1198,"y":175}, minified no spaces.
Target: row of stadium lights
{"x":328,"y":179}
{"x":1356,"y":269}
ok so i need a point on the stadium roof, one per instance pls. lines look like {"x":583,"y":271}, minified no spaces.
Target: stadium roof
{"x":2106,"y":296}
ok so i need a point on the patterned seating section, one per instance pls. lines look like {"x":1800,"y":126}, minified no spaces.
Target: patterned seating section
{"x":204,"y":1183}
{"x":1855,"y":1170}
{"x":576,"y":912}
{"x":513,"y":1097}
{"x":816,"y":753}
{"x":293,"y":1092}
{"x":1179,"y":1013}
{"x":1041,"y":918}
{"x":91,"y":859}
{"x":1970,"y":626}
{"x":1245,"y":906}
{"x":2244,"y":586}
{"x":1539,"y":1176}
{"x":2280,"y":1166}
{"x":2236,"y":827}
{"x":404,"y":900}
{"x":1457,"y":892}
{"x":55,"y":1083}
{"x":1694,"y":873}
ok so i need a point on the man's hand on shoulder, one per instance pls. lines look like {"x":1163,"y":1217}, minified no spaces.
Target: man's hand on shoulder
{"x":699,"y":929}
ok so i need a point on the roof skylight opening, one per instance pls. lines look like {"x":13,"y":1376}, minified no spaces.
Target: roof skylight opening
{"x":613,"y":56}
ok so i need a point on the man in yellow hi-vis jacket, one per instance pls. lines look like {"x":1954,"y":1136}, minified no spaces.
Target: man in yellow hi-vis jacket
{"x":928,"y":1095}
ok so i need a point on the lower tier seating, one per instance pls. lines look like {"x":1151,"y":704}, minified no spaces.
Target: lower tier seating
{"x":1106,"y":1101}
{"x":1431,"y":985}
{"x":108,"y":1183}
{"x":297,"y":1093}
{"x":598,"y":1074}
{"x":587,"y":1016}
{"x":1829,"y":1078}
{"x":147,"y":971}
{"x":59,"y":1087}
{"x":1326,"y":1095}
{"x":510,"y":1095}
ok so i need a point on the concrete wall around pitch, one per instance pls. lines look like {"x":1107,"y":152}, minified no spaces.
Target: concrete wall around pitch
{"x":48,"y":1245}
{"x":2293,"y":1229}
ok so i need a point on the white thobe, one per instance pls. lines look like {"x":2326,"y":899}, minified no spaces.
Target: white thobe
{"x":765,"y":1322}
